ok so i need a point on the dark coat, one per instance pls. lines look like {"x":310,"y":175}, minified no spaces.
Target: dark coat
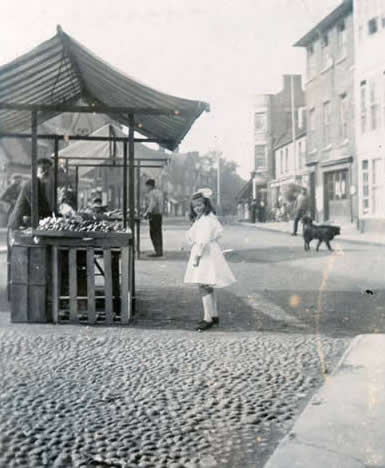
{"x":23,"y":206}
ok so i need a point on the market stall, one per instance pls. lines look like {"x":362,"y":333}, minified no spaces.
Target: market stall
{"x":60,"y":76}
{"x":87,"y":157}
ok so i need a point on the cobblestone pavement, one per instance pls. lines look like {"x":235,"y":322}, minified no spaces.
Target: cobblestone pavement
{"x":89,"y":397}
{"x":158,"y":394}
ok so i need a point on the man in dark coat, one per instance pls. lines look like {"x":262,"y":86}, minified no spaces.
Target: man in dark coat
{"x":23,"y":206}
{"x":301,"y":208}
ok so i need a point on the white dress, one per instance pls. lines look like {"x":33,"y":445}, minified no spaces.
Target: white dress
{"x":213,"y":269}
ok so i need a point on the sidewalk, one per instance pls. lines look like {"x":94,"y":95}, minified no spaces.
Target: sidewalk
{"x":343,"y":425}
{"x":349,"y":232}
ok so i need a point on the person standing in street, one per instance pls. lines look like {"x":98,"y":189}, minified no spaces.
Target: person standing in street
{"x":154,"y":213}
{"x":301,"y":207}
{"x":207,"y":267}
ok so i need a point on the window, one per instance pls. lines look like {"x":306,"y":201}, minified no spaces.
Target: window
{"x":301,"y":117}
{"x":383,"y":87}
{"x":300,"y":155}
{"x":326,"y":123}
{"x":373,"y":106}
{"x":312,"y":128}
{"x":281,"y":162}
{"x":341,"y":40}
{"x":363,"y":106}
{"x":365,"y":187}
{"x":260,"y":122}
{"x":311,"y":62}
{"x":325,"y":50}
{"x":260,"y":157}
{"x":373,"y":26}
{"x":343,"y":118}
{"x":287,"y":160}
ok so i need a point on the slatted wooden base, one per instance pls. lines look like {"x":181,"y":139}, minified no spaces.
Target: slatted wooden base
{"x":76,"y":295}
{"x":92,"y":277}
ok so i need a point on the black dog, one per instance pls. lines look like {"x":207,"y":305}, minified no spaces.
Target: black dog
{"x":323,"y":233}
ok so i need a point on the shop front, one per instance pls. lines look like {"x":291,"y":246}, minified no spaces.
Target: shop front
{"x":337,"y":199}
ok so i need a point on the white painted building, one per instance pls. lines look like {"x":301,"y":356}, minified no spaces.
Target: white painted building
{"x":290,"y":160}
{"x":369,"y":25}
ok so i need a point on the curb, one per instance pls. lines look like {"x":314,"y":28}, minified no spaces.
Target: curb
{"x":287,"y":445}
{"x":340,"y":239}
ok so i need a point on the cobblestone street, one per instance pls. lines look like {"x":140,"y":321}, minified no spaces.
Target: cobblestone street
{"x":87,"y":397}
{"x":157,"y":393}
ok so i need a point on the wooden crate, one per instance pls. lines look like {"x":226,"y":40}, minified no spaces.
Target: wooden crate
{"x":81,"y":301}
{"x":28,"y":283}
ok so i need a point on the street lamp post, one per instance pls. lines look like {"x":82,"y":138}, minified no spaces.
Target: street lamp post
{"x":218,"y":183}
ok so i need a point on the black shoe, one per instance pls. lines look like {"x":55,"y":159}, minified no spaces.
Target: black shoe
{"x":202,"y":326}
{"x":294,"y":234}
{"x":215,"y":320}
{"x":155,"y":255}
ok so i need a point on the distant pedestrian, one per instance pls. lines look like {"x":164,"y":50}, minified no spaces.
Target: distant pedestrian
{"x":262,"y":211}
{"x":11,"y":193}
{"x":207,"y":266}
{"x":301,"y":207}
{"x":154,"y":213}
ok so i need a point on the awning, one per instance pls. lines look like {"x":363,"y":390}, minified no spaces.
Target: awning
{"x":247,"y":191}
{"x":62,"y":72}
{"x":105,"y":152}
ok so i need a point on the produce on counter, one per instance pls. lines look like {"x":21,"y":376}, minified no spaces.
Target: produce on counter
{"x":79,"y":225}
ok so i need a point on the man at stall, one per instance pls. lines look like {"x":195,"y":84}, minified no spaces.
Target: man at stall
{"x":21,"y":213}
{"x":154,"y":213}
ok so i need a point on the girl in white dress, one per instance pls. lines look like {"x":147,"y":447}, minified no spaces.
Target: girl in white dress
{"x":207,"y":266}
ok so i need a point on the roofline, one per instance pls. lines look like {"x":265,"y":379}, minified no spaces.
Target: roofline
{"x":297,"y":137}
{"x":345,"y":7}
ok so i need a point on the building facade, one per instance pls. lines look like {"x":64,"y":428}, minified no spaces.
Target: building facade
{"x":331,"y":152}
{"x":290,"y":163}
{"x":369,"y":21}
{"x":272,"y":116}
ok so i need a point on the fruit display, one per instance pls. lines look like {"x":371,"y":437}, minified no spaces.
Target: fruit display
{"x":78,"y":224}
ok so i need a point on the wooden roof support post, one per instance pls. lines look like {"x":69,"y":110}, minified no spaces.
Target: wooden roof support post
{"x":131,"y":174}
{"x":55,"y":174}
{"x":35,"y":188}
{"x":138,"y":209}
{"x":125,"y":184}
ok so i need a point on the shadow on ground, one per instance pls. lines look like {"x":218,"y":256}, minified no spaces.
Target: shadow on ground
{"x":334,"y":313}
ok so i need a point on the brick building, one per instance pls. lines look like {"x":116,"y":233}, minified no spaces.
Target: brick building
{"x":331,"y":153}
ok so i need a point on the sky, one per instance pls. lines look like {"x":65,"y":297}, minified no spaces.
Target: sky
{"x":219,"y":51}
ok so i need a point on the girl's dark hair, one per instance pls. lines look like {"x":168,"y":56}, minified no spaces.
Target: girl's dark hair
{"x":208,"y":209}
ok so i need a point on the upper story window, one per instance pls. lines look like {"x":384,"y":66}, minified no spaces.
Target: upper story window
{"x":287,"y":160}
{"x":363,"y":106}
{"x":281,"y":161}
{"x":312,"y":128}
{"x":373,"y":26}
{"x":260,"y":122}
{"x":374,"y":118}
{"x":301,"y":117}
{"x":343,"y":117}
{"x":325,"y":51}
{"x":341,"y":40}
{"x":311,"y":62}
{"x":326,"y":123}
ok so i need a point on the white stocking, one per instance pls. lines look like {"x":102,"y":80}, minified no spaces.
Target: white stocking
{"x":214,"y":303}
{"x":207,"y":308}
